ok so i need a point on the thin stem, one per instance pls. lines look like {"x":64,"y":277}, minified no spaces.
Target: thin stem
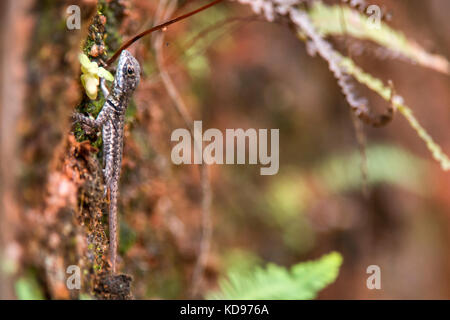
{"x":158,"y":27}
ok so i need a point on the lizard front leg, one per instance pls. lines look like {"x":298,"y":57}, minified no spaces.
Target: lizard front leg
{"x":96,"y":124}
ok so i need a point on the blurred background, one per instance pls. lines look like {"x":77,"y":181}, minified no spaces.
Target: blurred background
{"x":232,"y":70}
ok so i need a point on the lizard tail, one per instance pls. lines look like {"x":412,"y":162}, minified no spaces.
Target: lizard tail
{"x":113,"y":226}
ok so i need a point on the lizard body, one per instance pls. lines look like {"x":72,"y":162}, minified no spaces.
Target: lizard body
{"x":111,"y":120}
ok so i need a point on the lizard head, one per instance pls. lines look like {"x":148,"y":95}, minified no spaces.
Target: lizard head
{"x":128,"y":72}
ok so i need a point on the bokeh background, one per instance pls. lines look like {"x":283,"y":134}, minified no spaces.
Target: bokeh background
{"x":232,"y":70}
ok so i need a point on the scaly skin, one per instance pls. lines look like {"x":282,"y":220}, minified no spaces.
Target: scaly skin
{"x":112,"y":120}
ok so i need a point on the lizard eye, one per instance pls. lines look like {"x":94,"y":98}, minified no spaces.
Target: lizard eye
{"x":130,"y":71}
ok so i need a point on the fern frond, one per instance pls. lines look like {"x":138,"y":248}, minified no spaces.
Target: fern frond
{"x":328,"y":22}
{"x":385,"y":92}
{"x":302,"y":281}
{"x":323,"y":20}
{"x":318,"y":44}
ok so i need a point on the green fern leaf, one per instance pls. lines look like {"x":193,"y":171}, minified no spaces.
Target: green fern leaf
{"x":303,"y":281}
{"x":328,"y":21}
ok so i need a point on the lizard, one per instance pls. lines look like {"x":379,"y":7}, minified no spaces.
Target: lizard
{"x":111,"y":120}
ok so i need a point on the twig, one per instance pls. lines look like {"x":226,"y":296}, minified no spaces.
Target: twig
{"x":159,"y":27}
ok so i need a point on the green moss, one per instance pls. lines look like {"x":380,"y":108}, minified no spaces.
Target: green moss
{"x":113,"y":12}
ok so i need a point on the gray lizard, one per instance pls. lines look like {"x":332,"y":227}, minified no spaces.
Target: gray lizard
{"x":112,"y":119}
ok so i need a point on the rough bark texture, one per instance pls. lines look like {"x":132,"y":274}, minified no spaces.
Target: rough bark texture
{"x":55,"y":195}
{"x":62,"y":222}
